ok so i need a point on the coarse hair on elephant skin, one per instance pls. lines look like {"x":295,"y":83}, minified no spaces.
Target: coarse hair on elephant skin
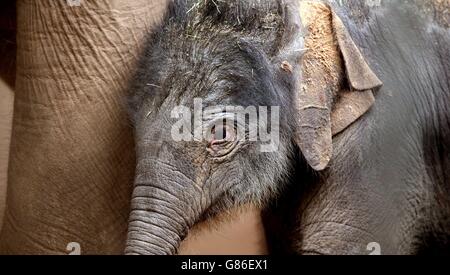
{"x":356,"y":116}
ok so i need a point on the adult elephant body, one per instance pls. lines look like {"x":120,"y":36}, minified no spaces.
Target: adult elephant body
{"x":382,"y":179}
{"x":72,"y":158}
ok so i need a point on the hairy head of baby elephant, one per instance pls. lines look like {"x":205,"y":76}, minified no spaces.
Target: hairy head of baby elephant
{"x":222,"y":102}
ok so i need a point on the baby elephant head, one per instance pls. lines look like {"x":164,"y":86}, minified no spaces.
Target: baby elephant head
{"x":225,"y":95}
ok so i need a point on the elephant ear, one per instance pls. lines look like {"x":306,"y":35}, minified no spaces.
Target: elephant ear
{"x":335,"y":86}
{"x":357,"y":99}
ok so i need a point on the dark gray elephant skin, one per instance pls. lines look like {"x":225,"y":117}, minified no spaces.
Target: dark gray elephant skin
{"x":383,"y":178}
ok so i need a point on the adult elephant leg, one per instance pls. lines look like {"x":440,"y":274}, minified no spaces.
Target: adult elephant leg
{"x":72,"y":162}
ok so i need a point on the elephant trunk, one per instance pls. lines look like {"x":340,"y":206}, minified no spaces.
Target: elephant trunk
{"x":162,"y":211}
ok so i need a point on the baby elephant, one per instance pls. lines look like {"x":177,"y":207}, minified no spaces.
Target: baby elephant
{"x":333,"y":119}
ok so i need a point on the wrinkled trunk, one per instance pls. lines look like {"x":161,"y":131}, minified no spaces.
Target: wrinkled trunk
{"x":154,"y":229}
{"x":154,"y":232}
{"x":163,"y":208}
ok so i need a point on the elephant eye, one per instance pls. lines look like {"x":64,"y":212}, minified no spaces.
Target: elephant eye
{"x":222,"y":139}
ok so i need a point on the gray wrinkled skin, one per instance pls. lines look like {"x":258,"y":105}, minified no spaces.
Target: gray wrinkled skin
{"x":388,"y":179}
{"x":201,"y":55}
